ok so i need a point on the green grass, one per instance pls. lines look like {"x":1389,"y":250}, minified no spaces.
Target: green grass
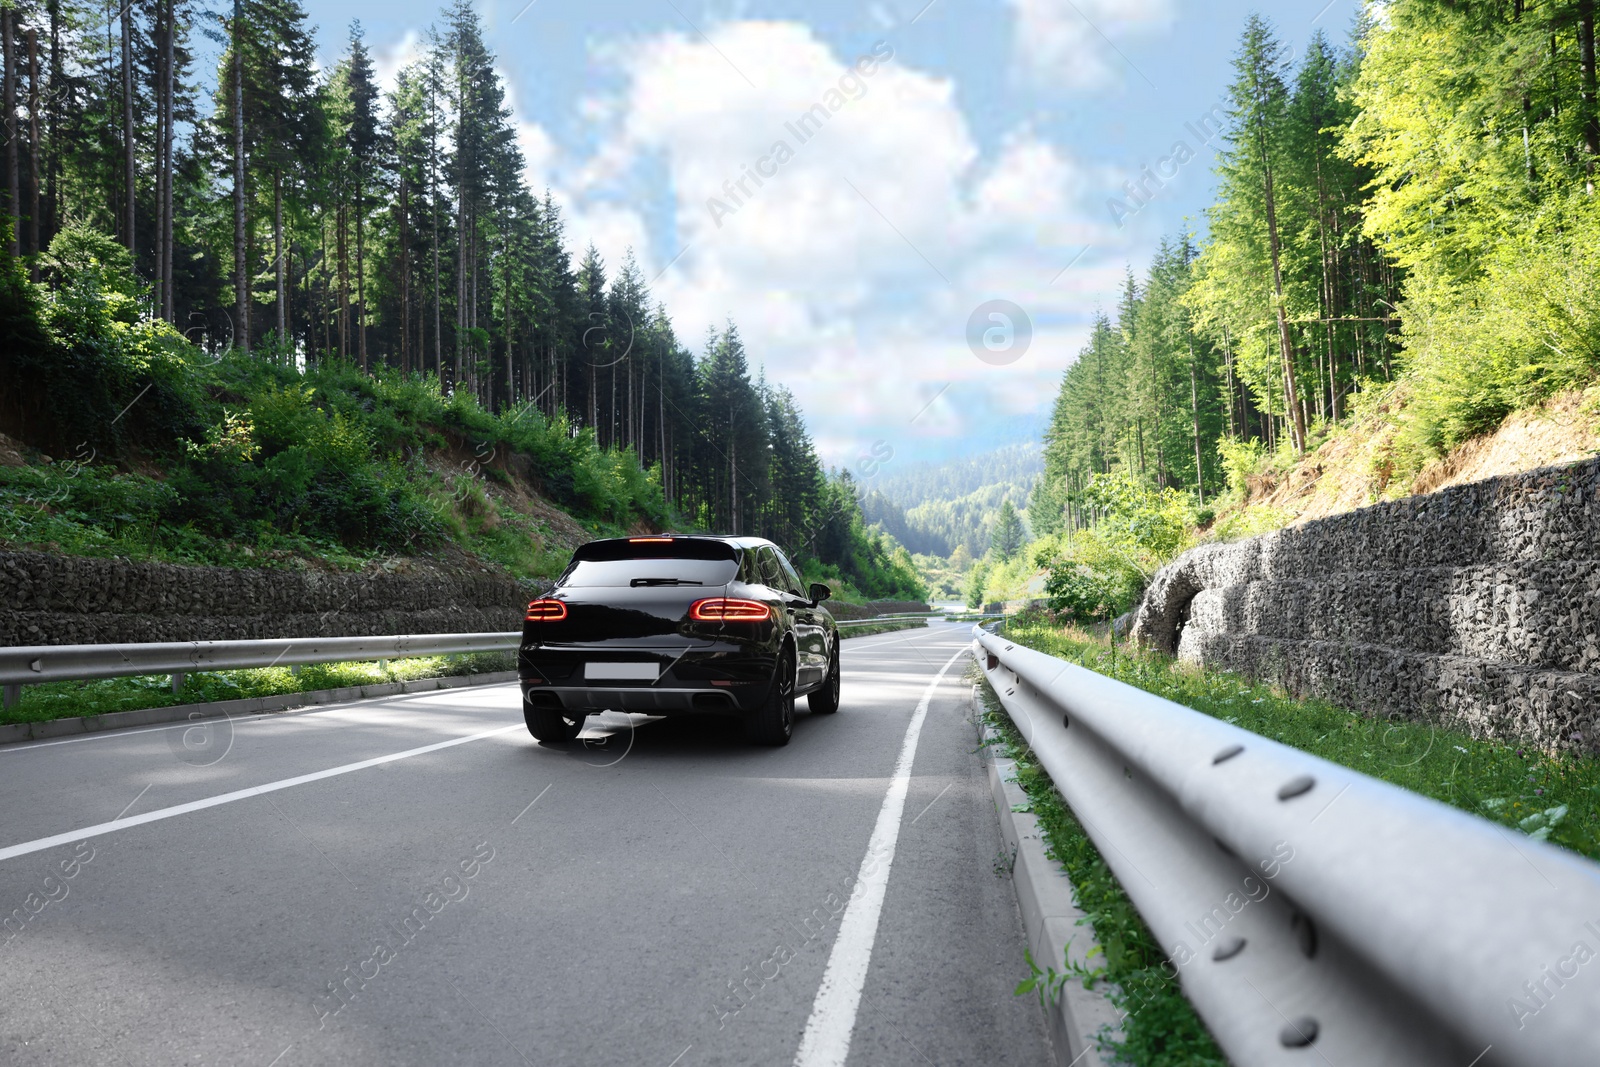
{"x":1554,"y":797}
{"x":1159,"y":1028}
{"x":64,"y":700}
{"x":39,"y":512}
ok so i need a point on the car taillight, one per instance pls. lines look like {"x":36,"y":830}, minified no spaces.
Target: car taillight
{"x":546,"y":611}
{"x":649,"y":540}
{"x":727,"y":609}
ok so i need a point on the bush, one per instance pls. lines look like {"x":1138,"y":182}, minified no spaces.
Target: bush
{"x":1526,"y":328}
{"x":1077,"y":592}
{"x":1100,"y":572}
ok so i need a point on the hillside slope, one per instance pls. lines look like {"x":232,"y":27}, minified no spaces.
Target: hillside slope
{"x":936,"y":508}
{"x":1353,"y":467}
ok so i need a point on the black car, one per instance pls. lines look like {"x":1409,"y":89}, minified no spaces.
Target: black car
{"x":678,"y":624}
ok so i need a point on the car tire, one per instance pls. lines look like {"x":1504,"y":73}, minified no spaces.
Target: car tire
{"x":546,"y":724}
{"x":825,"y":701}
{"x":773,"y":722}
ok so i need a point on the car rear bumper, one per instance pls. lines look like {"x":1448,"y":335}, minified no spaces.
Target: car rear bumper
{"x":649,"y":700}
{"x":713,"y":678}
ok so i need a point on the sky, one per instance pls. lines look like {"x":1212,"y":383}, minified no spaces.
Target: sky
{"x":921,"y":260}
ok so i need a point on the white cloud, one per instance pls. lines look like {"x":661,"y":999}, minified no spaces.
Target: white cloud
{"x":853,"y":264}
{"x":389,"y":60}
{"x":1074,"y":43}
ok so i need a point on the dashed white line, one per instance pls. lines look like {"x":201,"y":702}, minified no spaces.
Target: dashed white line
{"x":12,"y":851}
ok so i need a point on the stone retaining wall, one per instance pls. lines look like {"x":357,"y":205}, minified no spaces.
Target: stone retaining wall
{"x":66,"y":600}
{"x":1477,"y":605}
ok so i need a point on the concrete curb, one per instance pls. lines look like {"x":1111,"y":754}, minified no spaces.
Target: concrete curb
{"x":15,"y":733}
{"x":1052,"y":922}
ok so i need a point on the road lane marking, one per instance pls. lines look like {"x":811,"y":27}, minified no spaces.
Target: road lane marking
{"x":12,"y":851}
{"x":826,"y":1041}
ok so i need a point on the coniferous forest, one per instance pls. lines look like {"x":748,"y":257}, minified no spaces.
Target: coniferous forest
{"x":1403,"y":246}
{"x":1405,"y":228}
{"x":258,"y":304}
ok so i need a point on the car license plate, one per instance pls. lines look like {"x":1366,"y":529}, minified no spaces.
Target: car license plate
{"x":621,"y":672}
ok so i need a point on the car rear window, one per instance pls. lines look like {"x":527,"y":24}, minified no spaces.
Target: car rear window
{"x":625,"y":573}
{"x":664,"y":547}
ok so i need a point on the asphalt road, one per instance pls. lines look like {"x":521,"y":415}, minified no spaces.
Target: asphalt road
{"x":312,"y":889}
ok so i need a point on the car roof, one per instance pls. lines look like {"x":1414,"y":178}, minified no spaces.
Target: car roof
{"x":740,"y":540}
{"x":605,"y":547}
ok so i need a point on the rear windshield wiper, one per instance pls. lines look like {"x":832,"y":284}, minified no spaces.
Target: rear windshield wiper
{"x":664,"y":581}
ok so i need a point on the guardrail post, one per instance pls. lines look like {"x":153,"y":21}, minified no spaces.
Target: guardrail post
{"x":178,"y":678}
{"x":13,"y":693}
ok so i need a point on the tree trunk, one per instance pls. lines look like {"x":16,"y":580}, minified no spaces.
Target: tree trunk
{"x":1285,"y":346}
{"x":322,"y":235}
{"x":405,"y":275}
{"x":461,"y":278}
{"x":511,"y":385}
{"x":438,"y":311}
{"x":168,"y":227}
{"x":14,"y":203}
{"x":33,"y":144}
{"x":129,"y":167}
{"x":241,"y":266}
{"x":277,"y":255}
{"x":1194,"y":401}
{"x":661,"y":424}
{"x":361,"y":263}
{"x":342,"y":240}
{"x":159,"y":85}
{"x":1227,"y":356}
{"x":1591,"y":122}
{"x":53,"y":173}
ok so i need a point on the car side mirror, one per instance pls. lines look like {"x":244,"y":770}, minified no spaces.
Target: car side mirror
{"x":819,"y":593}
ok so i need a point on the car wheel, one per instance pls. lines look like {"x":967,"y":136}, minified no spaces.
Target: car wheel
{"x":546,"y":724}
{"x":825,"y":701}
{"x":773,"y":722}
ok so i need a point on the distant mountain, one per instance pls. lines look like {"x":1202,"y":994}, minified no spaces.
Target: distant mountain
{"x":1016,"y":466}
{"x":879,"y":510}
{"x":933,"y":507}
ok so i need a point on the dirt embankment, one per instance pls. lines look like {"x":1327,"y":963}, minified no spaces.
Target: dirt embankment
{"x":1351,"y":469}
{"x":508,"y":477}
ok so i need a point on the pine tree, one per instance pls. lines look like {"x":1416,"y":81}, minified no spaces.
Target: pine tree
{"x":1007,"y":536}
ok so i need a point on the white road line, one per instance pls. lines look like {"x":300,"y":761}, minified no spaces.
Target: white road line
{"x":826,"y":1041}
{"x":12,"y":851}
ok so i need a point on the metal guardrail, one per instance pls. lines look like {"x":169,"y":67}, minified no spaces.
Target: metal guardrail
{"x":31,"y":664}
{"x":1315,"y":915}
{"x":879,"y":620}
{"x":929,"y":616}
